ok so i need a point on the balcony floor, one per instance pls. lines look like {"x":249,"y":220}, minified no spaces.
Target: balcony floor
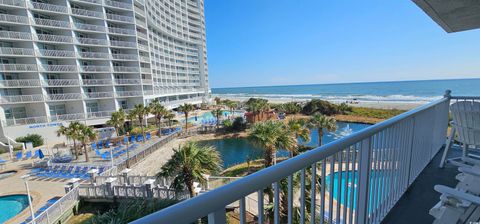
{"x":414,"y":205}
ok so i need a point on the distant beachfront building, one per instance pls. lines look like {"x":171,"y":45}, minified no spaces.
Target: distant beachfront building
{"x":67,"y":60}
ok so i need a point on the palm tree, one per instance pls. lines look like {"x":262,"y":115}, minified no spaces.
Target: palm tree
{"x":71,"y":132}
{"x":140,"y":112}
{"x":218,"y":101}
{"x":217,"y":113}
{"x":159,"y":111}
{"x":301,"y":131}
{"x":169,"y":116}
{"x":186,"y":109}
{"x":231,"y":105}
{"x":117,"y":120}
{"x":320,"y":122}
{"x":189,"y":164}
{"x":272,"y":135}
{"x":86,"y":134}
{"x":256,"y":106}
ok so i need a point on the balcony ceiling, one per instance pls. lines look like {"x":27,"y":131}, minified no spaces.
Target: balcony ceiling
{"x":452,"y":16}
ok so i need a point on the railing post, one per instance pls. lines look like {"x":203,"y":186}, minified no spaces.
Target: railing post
{"x":364,"y":181}
{"x":217,"y":217}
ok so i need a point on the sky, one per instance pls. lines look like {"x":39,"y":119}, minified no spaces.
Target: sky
{"x":288,"y":42}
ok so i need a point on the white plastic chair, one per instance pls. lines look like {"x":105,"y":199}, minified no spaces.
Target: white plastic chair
{"x":466,"y":130}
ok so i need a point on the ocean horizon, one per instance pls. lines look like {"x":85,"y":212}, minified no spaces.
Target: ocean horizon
{"x":391,"y":91}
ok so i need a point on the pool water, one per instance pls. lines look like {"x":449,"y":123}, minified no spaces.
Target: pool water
{"x":11,"y":205}
{"x":234,"y":151}
{"x":207,"y":116}
{"x":350,"y":180}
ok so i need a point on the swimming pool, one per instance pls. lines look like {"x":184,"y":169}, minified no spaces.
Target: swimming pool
{"x":207,"y":116}
{"x":11,"y":205}
{"x":350,"y":180}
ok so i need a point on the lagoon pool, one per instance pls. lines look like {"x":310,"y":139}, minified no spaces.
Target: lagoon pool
{"x":11,"y":205}
{"x":239,"y":150}
{"x":208,"y":116}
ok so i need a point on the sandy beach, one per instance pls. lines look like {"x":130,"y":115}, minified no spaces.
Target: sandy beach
{"x":407,"y":105}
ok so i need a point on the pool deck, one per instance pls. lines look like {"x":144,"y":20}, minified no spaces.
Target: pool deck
{"x":41,"y":191}
{"x":414,"y":205}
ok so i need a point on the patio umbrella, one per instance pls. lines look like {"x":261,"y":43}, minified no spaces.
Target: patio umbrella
{"x":40,"y":154}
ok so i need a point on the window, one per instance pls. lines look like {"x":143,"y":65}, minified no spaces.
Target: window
{"x":16,"y":112}
{"x":123,"y":104}
{"x":92,"y":107}
{"x":57,"y":110}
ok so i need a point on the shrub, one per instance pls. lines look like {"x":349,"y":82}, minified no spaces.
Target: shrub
{"x":239,"y":124}
{"x":320,"y":106}
{"x":35,"y":139}
{"x":227,"y":124}
{"x":136,"y":131}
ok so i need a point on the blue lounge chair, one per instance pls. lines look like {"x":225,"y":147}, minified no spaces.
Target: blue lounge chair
{"x":19,"y":155}
{"x":139,"y":138}
{"x":28,"y":155}
{"x":132,"y":138}
{"x":37,"y":154}
{"x":125,"y":140}
{"x":149,"y":136}
{"x":94,"y":145}
{"x":107,"y":144}
{"x":100,"y":145}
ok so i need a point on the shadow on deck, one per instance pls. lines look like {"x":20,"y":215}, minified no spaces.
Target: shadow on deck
{"x":414,"y":205}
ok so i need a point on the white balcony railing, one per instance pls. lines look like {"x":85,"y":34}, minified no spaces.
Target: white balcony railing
{"x":83,"y":26}
{"x":99,"y":114}
{"x":61,"y":82}
{"x":125,"y":69}
{"x":142,"y":35}
{"x":21,"y":98}
{"x":92,"y":41}
{"x":18,"y":67}
{"x":141,"y":23}
{"x":16,"y":51}
{"x":147,"y":81}
{"x":88,"y":13}
{"x":145,"y":59}
{"x":143,"y":47}
{"x":54,"y":38}
{"x":51,"y":22}
{"x":120,"y":43}
{"x":67,"y":117}
{"x":19,"y":82}
{"x":145,"y":70}
{"x":99,"y":95}
{"x":65,"y":96}
{"x":26,"y":121}
{"x":94,"y":55}
{"x":95,"y":68}
{"x":128,"y":81}
{"x":118,"y":4}
{"x":121,"y":31}
{"x":128,"y":93}
{"x":13,"y":18}
{"x":91,"y":1}
{"x":97,"y":82}
{"x":59,"y":68}
{"x":15,"y":35}
{"x":19,"y":3}
{"x":49,"y":7}
{"x":119,"y":17}
{"x":125,"y":56}
{"x":379,"y":163}
{"x":56,"y":53}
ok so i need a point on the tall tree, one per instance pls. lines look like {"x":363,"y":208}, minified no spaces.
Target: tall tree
{"x":186,"y":109}
{"x":189,"y":164}
{"x":159,"y":111}
{"x":140,"y":112}
{"x":86,"y":134}
{"x":217,"y":113}
{"x":231,"y":106}
{"x":299,"y":128}
{"x":256,"y":106}
{"x":71,"y":132}
{"x":117,"y":120}
{"x":321,"y":122}
{"x":169,"y":116}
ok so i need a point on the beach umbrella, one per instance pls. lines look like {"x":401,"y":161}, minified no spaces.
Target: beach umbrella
{"x":40,"y":154}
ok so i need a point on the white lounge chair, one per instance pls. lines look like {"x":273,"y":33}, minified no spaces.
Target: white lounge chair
{"x":459,"y":205}
{"x":466,"y":130}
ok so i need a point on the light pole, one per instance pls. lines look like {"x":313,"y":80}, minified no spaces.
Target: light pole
{"x":25,"y":179}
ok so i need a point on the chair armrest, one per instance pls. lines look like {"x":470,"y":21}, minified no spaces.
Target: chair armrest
{"x":470,"y":170}
{"x":457,"y":194}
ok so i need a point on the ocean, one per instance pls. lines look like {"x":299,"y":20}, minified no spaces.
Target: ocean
{"x":401,"y":91}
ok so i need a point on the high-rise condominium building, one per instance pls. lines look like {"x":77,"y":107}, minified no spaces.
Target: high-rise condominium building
{"x":67,"y":60}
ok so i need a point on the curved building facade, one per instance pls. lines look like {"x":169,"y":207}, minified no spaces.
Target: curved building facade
{"x":80,"y":60}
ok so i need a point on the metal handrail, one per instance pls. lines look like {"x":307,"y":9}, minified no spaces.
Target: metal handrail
{"x":13,"y":18}
{"x":213,"y":203}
